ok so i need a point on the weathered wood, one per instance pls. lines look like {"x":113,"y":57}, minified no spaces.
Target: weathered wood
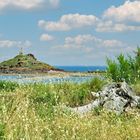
{"x":115,"y":97}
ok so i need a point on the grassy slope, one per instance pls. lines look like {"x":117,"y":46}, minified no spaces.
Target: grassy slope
{"x":25,"y":62}
{"x":30,"y":114}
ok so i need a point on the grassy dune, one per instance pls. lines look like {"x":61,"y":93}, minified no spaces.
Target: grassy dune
{"x":35,"y":112}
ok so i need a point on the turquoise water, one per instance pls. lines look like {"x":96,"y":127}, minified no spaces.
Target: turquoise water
{"x":82,"y":68}
{"x":44,"y":79}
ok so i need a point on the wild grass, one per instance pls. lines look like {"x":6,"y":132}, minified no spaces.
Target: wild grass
{"x":8,"y":86}
{"x":136,"y":88}
{"x":37,"y":112}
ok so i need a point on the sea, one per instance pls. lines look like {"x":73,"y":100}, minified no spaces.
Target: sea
{"x":82,"y":68}
{"x":57,"y":79}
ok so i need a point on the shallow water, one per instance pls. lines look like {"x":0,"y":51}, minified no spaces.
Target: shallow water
{"x":44,"y":79}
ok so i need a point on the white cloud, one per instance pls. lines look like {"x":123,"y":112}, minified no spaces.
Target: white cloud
{"x":26,"y":4}
{"x":114,"y":19}
{"x":81,"y":39}
{"x":89,"y":45}
{"x":10,"y":43}
{"x":110,"y":26}
{"x":68,"y":22}
{"x":129,"y":11}
{"x":46,"y":37}
{"x":90,"y":39}
{"x":53,"y":26}
{"x":112,"y":43}
{"x":75,"y":21}
{"x":121,"y":18}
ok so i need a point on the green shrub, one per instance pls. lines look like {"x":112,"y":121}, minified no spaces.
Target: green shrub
{"x":112,"y":70}
{"x":125,"y":68}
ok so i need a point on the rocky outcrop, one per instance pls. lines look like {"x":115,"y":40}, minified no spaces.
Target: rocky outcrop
{"x":117,"y":97}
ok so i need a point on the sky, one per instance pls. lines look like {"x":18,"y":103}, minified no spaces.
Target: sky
{"x":69,"y":32}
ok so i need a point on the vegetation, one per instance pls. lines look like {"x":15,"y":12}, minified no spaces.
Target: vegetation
{"x":8,"y":86}
{"x":126,"y":68}
{"x":136,"y":87}
{"x":38,"y":112}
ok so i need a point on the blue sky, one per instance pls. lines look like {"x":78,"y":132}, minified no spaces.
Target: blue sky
{"x":69,"y":32}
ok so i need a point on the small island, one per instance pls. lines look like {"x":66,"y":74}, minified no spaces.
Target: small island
{"x":25,"y":64}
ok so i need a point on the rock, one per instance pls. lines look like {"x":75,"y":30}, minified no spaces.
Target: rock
{"x":116,"y":97}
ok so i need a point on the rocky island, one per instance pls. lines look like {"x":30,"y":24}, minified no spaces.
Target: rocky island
{"x":25,"y":64}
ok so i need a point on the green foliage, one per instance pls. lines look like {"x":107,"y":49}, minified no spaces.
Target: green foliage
{"x":125,"y":68}
{"x":96,"y":84}
{"x":112,"y":70}
{"x":8,"y":86}
{"x":137,"y":65}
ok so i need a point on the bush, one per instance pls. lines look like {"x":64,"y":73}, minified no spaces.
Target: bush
{"x":125,"y":68}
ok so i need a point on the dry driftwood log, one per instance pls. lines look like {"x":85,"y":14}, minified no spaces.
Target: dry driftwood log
{"x":117,"y":97}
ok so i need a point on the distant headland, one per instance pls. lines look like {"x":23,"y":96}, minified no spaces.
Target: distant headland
{"x":25,"y":64}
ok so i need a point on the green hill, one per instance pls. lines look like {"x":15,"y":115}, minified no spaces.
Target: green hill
{"x":24,"y":64}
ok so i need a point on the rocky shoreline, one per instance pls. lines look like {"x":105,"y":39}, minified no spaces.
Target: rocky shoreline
{"x":26,"y":71}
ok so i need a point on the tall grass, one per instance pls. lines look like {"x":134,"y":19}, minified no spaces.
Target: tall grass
{"x":8,"y":86}
{"x":71,"y":94}
{"x":35,"y":112}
